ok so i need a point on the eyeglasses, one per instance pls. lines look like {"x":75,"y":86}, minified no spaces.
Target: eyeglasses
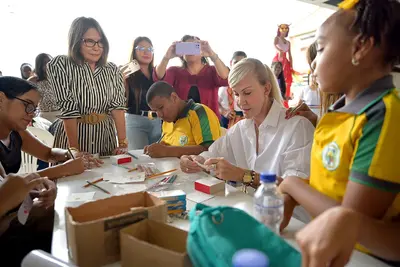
{"x":30,"y":108}
{"x":92,"y":43}
{"x":142,"y":49}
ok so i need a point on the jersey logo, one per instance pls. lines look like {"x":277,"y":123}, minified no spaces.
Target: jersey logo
{"x":331,"y":156}
{"x":183,"y":140}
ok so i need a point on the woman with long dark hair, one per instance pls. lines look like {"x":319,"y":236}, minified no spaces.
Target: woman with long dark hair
{"x":196,"y":79}
{"x":142,"y":125}
{"x":47,"y":105}
{"x":277,"y":68}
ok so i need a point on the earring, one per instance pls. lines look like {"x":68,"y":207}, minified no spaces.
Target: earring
{"x":355,"y":62}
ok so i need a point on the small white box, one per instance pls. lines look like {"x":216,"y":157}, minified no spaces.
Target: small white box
{"x":209,"y":185}
{"x":120,"y":159}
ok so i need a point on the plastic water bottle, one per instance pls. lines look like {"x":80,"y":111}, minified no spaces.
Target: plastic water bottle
{"x":268,"y":203}
{"x":250,"y":258}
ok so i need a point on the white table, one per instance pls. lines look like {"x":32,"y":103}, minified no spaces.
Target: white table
{"x":231,"y":197}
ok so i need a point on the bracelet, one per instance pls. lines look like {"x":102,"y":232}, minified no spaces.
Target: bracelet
{"x":74,"y":149}
{"x":123,"y":143}
{"x":215,"y":58}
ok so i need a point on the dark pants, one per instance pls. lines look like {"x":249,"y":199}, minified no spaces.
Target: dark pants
{"x":20,"y":239}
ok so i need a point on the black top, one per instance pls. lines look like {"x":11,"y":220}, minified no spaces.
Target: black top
{"x":138,"y":85}
{"x":10,"y":157}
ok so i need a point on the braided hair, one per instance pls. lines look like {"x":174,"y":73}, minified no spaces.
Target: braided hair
{"x":380,"y":19}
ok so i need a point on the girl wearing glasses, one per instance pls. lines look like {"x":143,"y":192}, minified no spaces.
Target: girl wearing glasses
{"x":196,"y":79}
{"x":90,"y":94}
{"x":142,"y":125}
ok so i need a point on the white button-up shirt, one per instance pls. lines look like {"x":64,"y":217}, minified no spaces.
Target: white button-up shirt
{"x":284,"y":145}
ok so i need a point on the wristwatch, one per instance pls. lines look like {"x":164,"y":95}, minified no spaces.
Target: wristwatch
{"x":248,"y":177}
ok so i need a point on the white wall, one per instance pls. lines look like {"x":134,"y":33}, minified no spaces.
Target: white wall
{"x":396,"y":79}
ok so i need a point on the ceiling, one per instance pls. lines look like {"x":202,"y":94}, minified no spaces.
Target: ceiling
{"x":332,"y":4}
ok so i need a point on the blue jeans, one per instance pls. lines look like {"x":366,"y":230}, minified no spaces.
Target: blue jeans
{"x":141,"y":131}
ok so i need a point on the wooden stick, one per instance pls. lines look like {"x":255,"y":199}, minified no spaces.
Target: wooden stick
{"x":94,"y":182}
{"x":159,"y":174}
{"x":98,"y":187}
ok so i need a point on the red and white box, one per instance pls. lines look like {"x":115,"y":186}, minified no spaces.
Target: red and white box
{"x":209,"y":185}
{"x":120,"y":159}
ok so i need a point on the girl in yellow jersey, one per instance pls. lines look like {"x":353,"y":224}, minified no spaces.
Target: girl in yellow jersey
{"x":354,"y":160}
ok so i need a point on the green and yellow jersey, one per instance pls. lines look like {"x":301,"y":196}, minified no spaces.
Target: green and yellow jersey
{"x":196,"y":125}
{"x":360,"y":142}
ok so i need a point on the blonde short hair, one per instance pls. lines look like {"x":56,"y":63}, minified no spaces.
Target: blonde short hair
{"x":262,"y":72}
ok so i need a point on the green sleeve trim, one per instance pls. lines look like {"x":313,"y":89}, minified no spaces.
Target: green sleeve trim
{"x":369,"y":139}
{"x":369,"y":181}
{"x":204,"y":124}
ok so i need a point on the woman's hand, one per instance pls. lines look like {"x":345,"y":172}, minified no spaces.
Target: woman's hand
{"x":120,"y":151}
{"x":329,"y":239}
{"x":171,"y":53}
{"x":48,"y":194}
{"x":89,"y":161}
{"x":206,"y":50}
{"x":15,"y":188}
{"x":288,"y":208}
{"x":75,"y":166}
{"x":304,"y":111}
{"x":224,"y":170}
{"x":59,"y":155}
{"x":189,"y":165}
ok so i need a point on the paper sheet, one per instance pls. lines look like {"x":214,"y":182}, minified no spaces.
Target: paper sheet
{"x":75,"y":197}
{"x":198,"y":197}
{"x":136,"y":177}
{"x":129,"y":189}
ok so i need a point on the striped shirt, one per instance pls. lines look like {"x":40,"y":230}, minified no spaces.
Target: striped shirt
{"x":80,"y":91}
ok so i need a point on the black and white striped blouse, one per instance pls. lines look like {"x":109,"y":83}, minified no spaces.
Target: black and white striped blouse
{"x":80,"y":91}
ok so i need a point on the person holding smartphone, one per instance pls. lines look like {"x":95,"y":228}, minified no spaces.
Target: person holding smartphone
{"x":195,"y":79}
{"x":143,"y":127}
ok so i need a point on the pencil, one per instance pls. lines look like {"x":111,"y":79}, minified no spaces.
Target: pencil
{"x":159,"y":174}
{"x":297,"y":107}
{"x":70,"y":153}
{"x":131,"y":170}
{"x":133,"y":156}
{"x":94,"y":182}
{"x":98,"y":187}
{"x":162,"y":136}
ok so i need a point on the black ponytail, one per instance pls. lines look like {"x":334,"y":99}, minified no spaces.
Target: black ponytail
{"x":380,"y":19}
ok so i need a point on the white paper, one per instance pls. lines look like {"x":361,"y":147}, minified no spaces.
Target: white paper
{"x":129,"y":189}
{"x":137,"y":177}
{"x":198,"y":196}
{"x":75,"y":197}
{"x":24,"y":210}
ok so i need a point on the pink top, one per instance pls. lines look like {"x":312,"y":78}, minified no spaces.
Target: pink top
{"x":284,"y":47}
{"x":207,"y":81}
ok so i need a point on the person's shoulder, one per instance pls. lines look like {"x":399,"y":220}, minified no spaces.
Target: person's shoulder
{"x":59,"y":61}
{"x":175,"y":69}
{"x":111,"y":65}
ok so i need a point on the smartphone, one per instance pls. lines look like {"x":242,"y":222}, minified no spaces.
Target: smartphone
{"x":130,"y":67}
{"x":187,"y":48}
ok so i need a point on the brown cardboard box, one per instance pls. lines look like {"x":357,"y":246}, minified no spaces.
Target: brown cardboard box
{"x":93,"y":228}
{"x":150,"y":243}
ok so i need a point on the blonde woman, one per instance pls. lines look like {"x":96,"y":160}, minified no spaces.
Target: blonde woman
{"x":264,"y":140}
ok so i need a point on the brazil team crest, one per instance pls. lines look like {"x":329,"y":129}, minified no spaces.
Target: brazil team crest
{"x":331,"y":156}
{"x":183,"y":140}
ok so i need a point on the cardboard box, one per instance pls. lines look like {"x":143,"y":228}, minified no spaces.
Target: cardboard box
{"x":93,"y":228}
{"x":150,"y":243}
{"x":209,"y":185}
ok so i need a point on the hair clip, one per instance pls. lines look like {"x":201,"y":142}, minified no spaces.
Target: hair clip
{"x":348,"y":4}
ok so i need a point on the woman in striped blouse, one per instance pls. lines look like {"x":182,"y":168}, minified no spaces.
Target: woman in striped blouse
{"x":90,"y":94}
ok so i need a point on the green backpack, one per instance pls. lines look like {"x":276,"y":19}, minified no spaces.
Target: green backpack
{"x":216,"y":233}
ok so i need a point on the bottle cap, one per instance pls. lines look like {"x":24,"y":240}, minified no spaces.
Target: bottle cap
{"x":250,"y":257}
